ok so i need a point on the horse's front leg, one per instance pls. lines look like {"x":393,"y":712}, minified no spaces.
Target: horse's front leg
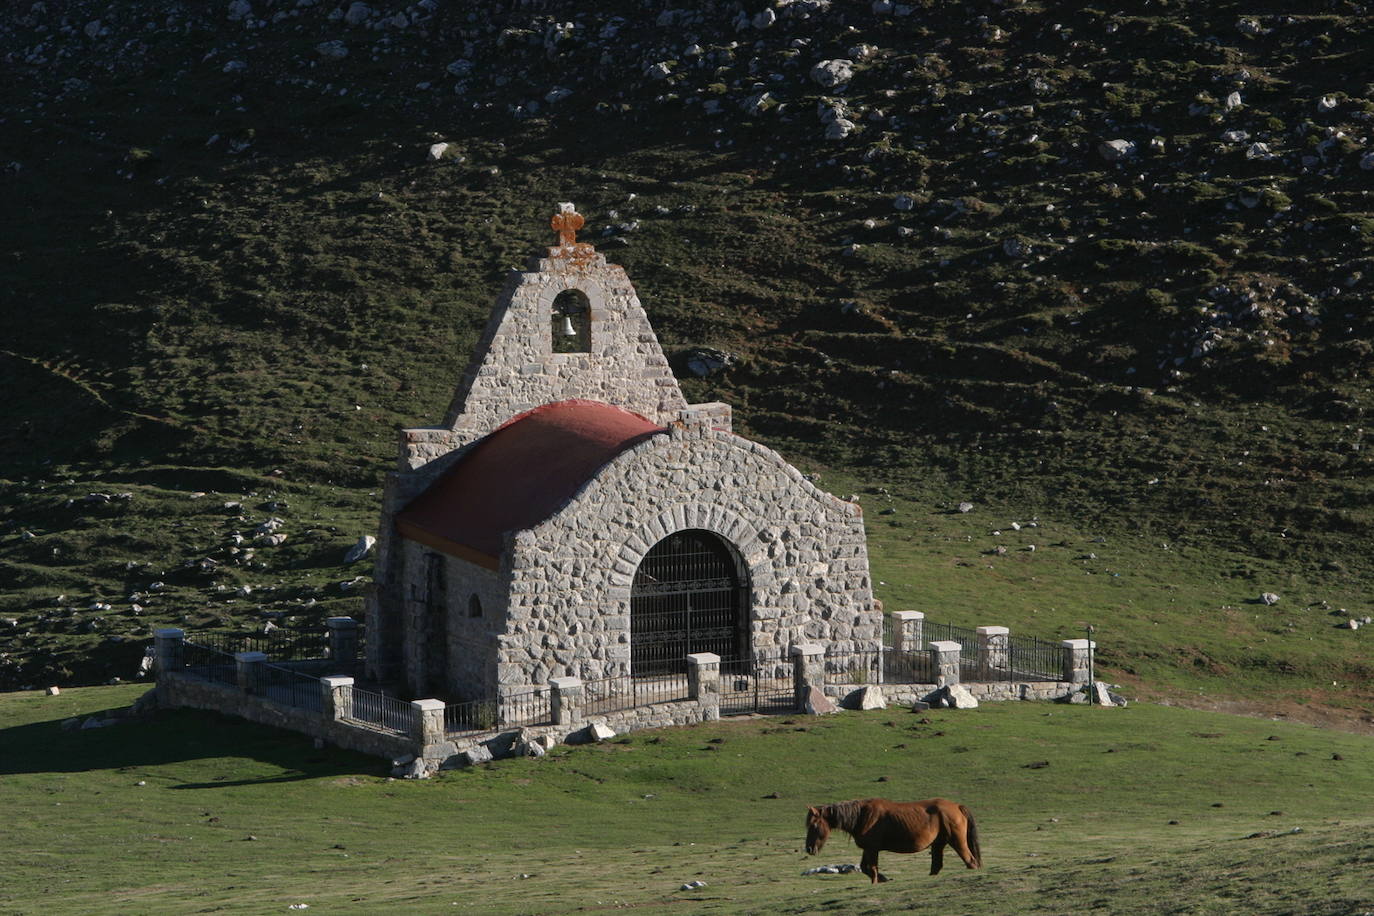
{"x":937,"y":856}
{"x":869,"y":866}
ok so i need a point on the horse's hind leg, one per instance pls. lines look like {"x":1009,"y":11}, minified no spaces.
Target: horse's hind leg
{"x":869,"y":866}
{"x":937,"y":856}
{"x":959,"y":840}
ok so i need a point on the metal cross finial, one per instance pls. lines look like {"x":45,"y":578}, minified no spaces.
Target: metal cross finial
{"x":566,"y":222}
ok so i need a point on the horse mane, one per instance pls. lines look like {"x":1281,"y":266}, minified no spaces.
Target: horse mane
{"x":844,"y":815}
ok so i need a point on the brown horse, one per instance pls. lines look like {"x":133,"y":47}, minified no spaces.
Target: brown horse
{"x":879,"y":825}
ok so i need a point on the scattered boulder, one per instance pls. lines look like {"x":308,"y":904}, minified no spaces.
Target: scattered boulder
{"x":1116,"y":150}
{"x":818,"y":704}
{"x":953,"y":696}
{"x":1367,"y":162}
{"x":367,"y":541}
{"x":833,"y":74}
{"x":839,"y":128}
{"x":870,"y":697}
{"x":332,"y":50}
{"x":1268,"y":598}
{"x":966,"y":507}
{"x":478,"y":753}
{"x":704,"y":362}
{"x":599,"y":731}
{"x":54,"y":691}
{"x":357,"y":14}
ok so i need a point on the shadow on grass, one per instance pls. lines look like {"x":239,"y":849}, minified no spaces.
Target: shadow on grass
{"x":176,"y":736}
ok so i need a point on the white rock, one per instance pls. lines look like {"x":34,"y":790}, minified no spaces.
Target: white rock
{"x":765,"y":19}
{"x":839,"y":129}
{"x":660,"y":71}
{"x":1352,"y":624}
{"x":818,"y":704}
{"x":831,"y":74}
{"x":1327,"y":103}
{"x":871,"y":697}
{"x":332,"y":50}
{"x":1233,"y":101}
{"x":1115,"y":150}
{"x":966,"y":507}
{"x":1269,"y":598}
{"x":436,"y":152}
{"x":600,"y":731}
{"x":459,"y":68}
{"x":54,"y":691}
{"x":235,"y":66}
{"x":367,"y":541}
{"x":903,"y":202}
{"x":1259,"y":151}
{"x":357,"y":14}
{"x":1235,"y":136}
{"x":1367,"y":162}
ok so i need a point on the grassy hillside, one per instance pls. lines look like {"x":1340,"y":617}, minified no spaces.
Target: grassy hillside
{"x":1121,"y":811}
{"x":231,"y":268}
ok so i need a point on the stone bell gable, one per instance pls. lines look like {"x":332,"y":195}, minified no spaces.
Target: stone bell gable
{"x":574,"y":516}
{"x":527,"y":357}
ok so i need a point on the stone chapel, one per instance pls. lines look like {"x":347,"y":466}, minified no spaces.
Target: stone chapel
{"x":575,"y":516}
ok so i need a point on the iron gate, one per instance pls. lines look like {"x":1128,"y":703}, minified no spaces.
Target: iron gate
{"x":763,"y":684}
{"x":688,"y":596}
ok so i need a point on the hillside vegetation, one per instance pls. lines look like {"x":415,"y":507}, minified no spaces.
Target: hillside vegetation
{"x":1108,"y":270}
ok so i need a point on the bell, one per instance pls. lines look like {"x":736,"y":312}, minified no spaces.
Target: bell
{"x":568,"y":329}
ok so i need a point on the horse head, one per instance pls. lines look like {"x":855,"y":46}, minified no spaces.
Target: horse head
{"x":817,"y":830}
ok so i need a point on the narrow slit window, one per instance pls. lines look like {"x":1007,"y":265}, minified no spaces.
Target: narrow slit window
{"x":572,"y":322}
{"x":474,"y":606}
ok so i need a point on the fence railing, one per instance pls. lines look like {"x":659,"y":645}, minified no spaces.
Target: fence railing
{"x":759,"y":684}
{"x":853,"y":668}
{"x":279,"y":645}
{"x":208,"y":663}
{"x":1032,"y":659}
{"x":288,"y":687}
{"x":382,"y":711}
{"x":616,"y":693}
{"x":533,"y":707}
{"x":913,"y":667}
{"x":969,"y":669}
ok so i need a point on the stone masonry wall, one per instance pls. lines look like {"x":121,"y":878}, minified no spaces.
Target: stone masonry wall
{"x":570,"y":577}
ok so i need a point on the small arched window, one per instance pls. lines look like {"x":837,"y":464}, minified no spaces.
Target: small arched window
{"x":474,"y":606}
{"x":572,"y":322}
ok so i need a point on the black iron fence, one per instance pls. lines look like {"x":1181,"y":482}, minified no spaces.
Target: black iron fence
{"x":288,"y":687}
{"x":382,"y":711}
{"x":764,"y":683}
{"x":208,"y":664}
{"x":613,"y":694}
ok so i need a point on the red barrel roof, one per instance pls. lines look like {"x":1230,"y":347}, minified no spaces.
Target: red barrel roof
{"x":519,"y":475}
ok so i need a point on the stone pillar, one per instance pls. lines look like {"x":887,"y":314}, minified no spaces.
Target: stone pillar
{"x":808,"y":669}
{"x":566,"y":700}
{"x":944,"y":661}
{"x":168,"y":644}
{"x":910,"y":627}
{"x":250,"y":670}
{"x":703,"y":682}
{"x":336,"y":697}
{"x":343,"y":640}
{"x":428,"y":724}
{"x":994,"y":652}
{"x":1078,"y":659}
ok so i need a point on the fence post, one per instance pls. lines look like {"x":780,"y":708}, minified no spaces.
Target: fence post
{"x":336,"y":695}
{"x":944,"y":661}
{"x":703,"y":683}
{"x":566,"y":700}
{"x":428,"y":727}
{"x":250,"y":670}
{"x":910,"y":630}
{"x":168,"y":646}
{"x":808,"y":670}
{"x":994,"y":651}
{"x":343,"y":639}
{"x":1077,"y":659}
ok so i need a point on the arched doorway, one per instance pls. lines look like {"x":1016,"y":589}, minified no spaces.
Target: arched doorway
{"x":690,"y":594}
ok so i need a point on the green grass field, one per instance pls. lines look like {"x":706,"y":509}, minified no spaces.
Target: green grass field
{"x":1147,"y":809}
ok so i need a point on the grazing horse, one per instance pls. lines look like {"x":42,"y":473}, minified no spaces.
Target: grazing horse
{"x":879,"y":825}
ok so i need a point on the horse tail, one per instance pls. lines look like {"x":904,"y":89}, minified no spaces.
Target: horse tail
{"x":971,"y":836}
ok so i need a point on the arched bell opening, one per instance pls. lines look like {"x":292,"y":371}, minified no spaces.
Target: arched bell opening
{"x":572,"y":322}
{"x":690,"y":594}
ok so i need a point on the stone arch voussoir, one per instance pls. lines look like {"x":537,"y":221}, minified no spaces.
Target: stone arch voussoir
{"x":734,"y":529}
